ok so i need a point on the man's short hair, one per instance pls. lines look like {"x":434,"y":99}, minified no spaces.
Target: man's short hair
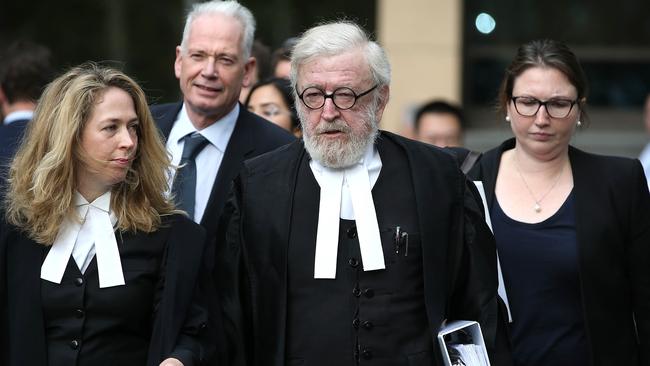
{"x":229,"y":8}
{"x":439,"y":106}
{"x":25,"y":70}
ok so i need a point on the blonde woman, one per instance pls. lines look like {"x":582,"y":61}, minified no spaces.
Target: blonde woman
{"x":96,"y":265}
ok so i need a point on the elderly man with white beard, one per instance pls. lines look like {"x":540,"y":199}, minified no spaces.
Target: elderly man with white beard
{"x":355,"y":245}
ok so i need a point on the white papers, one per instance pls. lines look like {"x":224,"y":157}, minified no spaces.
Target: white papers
{"x":462,"y":340}
{"x":469,"y":355}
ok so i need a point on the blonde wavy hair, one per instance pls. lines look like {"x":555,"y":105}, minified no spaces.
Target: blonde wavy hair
{"x":41,"y":182}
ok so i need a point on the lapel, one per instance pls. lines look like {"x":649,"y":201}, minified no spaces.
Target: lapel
{"x":24,"y":262}
{"x":489,"y":166}
{"x":588,"y":211}
{"x":240,"y":147}
{"x":434,"y":256}
{"x":165,"y":116}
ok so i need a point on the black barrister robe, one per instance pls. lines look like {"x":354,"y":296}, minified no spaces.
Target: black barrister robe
{"x":180,"y":313}
{"x":458,"y":250}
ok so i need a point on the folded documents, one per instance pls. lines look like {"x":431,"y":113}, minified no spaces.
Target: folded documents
{"x":461,"y":344}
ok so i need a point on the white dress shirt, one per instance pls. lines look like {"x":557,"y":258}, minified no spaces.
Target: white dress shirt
{"x":17,"y":116}
{"x":209,"y":159}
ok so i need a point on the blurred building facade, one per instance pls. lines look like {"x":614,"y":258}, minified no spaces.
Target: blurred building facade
{"x":438,"y":49}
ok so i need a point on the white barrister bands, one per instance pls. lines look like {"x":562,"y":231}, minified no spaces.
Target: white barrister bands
{"x":93,"y":237}
{"x":338,"y":187}
{"x":327,"y":235}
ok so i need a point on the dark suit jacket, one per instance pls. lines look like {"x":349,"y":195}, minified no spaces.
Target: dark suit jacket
{"x":613,"y":230}
{"x":179,"y":309}
{"x":459,"y":262}
{"x":10,"y":137}
{"x":252,"y":136}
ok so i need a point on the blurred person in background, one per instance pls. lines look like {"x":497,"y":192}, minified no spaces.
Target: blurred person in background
{"x":261,"y":67}
{"x":645,"y":154}
{"x":439,"y":123}
{"x":572,"y":228}
{"x":25,"y":69}
{"x":272,"y":99}
{"x":88,"y":236}
{"x":281,"y":59}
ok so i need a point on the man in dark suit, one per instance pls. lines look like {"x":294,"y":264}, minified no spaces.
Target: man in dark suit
{"x":25,"y":69}
{"x":212,"y":63}
{"x":357,"y":245}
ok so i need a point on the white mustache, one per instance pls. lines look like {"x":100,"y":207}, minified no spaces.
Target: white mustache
{"x":335,"y":126}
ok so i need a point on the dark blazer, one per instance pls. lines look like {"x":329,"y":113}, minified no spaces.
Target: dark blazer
{"x":613,"y":229}
{"x":178,"y":312}
{"x":459,"y":265}
{"x":252,"y":136}
{"x":10,"y":138}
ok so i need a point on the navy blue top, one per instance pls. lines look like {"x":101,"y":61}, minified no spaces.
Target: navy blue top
{"x":540,"y":269}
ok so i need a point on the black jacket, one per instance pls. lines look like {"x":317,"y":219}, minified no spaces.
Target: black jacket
{"x":180,"y":308}
{"x":459,"y":258}
{"x":252,"y":136}
{"x":613,"y":230}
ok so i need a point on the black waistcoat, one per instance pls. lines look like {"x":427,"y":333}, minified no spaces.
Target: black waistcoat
{"x":375,"y":317}
{"x":88,"y":325}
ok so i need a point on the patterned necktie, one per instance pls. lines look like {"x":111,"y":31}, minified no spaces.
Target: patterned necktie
{"x":185,"y":182}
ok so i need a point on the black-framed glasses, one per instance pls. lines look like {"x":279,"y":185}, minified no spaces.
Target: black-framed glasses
{"x":556,"y":108}
{"x":343,"y":97}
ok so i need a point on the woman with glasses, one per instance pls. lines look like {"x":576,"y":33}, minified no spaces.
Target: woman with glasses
{"x":572,"y":228}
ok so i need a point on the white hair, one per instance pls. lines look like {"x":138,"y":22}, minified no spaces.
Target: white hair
{"x":229,"y":8}
{"x":336,"y":38}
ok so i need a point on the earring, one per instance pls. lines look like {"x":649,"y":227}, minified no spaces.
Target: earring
{"x":579,"y":124}
{"x":507,"y":118}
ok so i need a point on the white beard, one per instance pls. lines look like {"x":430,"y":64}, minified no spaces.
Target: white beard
{"x":344,"y":152}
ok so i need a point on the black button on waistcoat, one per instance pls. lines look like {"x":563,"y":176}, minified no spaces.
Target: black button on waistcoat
{"x":74,"y":344}
{"x":367,"y":325}
{"x":352,"y":232}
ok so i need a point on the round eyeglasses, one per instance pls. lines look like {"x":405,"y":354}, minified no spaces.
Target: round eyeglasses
{"x":556,"y":108}
{"x":343,"y":98}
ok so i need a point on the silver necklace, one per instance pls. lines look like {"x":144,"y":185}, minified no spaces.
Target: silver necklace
{"x":538,"y":202}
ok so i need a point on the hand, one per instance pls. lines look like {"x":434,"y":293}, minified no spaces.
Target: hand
{"x":171,"y":362}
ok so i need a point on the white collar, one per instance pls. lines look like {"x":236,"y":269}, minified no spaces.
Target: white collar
{"x":18,"y":115}
{"x":357,"y":182}
{"x":370,"y":160}
{"x":218,"y":133}
{"x":91,"y":237}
